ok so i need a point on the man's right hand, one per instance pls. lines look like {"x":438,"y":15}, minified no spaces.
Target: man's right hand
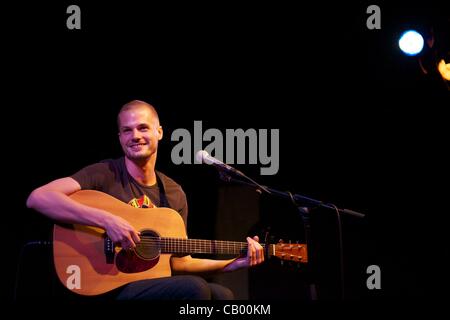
{"x":121,"y":231}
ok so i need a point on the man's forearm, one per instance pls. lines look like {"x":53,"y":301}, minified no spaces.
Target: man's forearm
{"x":60,"y":207}
{"x":195,"y":265}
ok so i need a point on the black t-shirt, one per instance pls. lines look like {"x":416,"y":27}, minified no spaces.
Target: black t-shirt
{"x":111,"y":176}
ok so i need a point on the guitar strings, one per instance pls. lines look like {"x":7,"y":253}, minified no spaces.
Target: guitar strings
{"x":147,"y":241}
{"x":182,"y":241}
{"x":185,"y":242}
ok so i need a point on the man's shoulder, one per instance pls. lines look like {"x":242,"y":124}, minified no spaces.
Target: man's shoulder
{"x":113,"y":166}
{"x":97,"y":175}
{"x":119,"y":162}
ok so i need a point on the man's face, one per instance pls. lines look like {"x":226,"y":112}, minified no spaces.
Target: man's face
{"x":139,"y":133}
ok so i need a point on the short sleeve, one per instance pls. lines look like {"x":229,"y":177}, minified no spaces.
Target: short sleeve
{"x":94,"y":177}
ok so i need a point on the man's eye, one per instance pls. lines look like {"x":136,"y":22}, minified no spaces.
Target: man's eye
{"x":144,"y":129}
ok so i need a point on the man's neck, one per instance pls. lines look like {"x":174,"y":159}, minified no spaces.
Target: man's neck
{"x":143,"y":172}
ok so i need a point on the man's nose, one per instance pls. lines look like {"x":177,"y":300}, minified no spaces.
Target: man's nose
{"x":136,"y":135}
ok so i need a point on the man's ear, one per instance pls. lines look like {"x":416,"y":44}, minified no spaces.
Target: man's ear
{"x":160,"y":132}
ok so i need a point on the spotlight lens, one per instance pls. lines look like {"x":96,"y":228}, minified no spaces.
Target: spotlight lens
{"x":411,"y":42}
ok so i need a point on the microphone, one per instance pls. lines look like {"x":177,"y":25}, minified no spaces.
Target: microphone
{"x":203,"y":156}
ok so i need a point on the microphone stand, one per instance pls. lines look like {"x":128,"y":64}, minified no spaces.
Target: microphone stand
{"x":303,"y":204}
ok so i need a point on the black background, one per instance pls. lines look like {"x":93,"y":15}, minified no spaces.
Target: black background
{"x":360,"y":125}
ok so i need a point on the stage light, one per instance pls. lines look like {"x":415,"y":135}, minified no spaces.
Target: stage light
{"x":411,"y":42}
{"x":444,"y":70}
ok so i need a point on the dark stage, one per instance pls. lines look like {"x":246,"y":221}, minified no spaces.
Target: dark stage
{"x":360,"y":125}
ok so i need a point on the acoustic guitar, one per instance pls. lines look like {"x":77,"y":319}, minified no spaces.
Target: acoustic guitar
{"x":87,"y":262}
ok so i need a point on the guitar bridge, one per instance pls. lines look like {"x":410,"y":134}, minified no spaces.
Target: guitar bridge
{"x":109,"y":250}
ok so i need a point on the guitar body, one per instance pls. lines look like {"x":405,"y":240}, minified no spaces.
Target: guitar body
{"x":80,"y":251}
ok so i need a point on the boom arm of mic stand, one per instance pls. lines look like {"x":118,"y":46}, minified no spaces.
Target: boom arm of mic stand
{"x":226,"y":177}
{"x":305,"y":201}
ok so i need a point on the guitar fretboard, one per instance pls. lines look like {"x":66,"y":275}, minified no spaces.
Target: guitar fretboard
{"x":179,"y":245}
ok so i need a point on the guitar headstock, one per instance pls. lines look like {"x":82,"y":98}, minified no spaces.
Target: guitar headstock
{"x":296,"y":252}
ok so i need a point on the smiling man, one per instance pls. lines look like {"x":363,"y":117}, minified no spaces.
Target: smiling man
{"x":134,"y":180}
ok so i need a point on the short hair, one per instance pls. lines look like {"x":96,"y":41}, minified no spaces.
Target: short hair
{"x":135,"y":104}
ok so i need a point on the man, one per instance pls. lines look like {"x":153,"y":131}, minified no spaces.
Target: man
{"x":134,"y":180}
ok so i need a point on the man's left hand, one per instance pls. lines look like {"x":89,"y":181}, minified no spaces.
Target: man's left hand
{"x":255,"y":256}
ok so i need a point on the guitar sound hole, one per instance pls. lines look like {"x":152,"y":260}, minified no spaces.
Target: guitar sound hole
{"x":149,"y":248}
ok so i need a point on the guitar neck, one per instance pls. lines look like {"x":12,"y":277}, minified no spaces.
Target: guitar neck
{"x":190,"y":246}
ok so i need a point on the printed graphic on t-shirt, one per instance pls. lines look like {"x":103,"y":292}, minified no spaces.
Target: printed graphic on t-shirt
{"x":142,"y":202}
